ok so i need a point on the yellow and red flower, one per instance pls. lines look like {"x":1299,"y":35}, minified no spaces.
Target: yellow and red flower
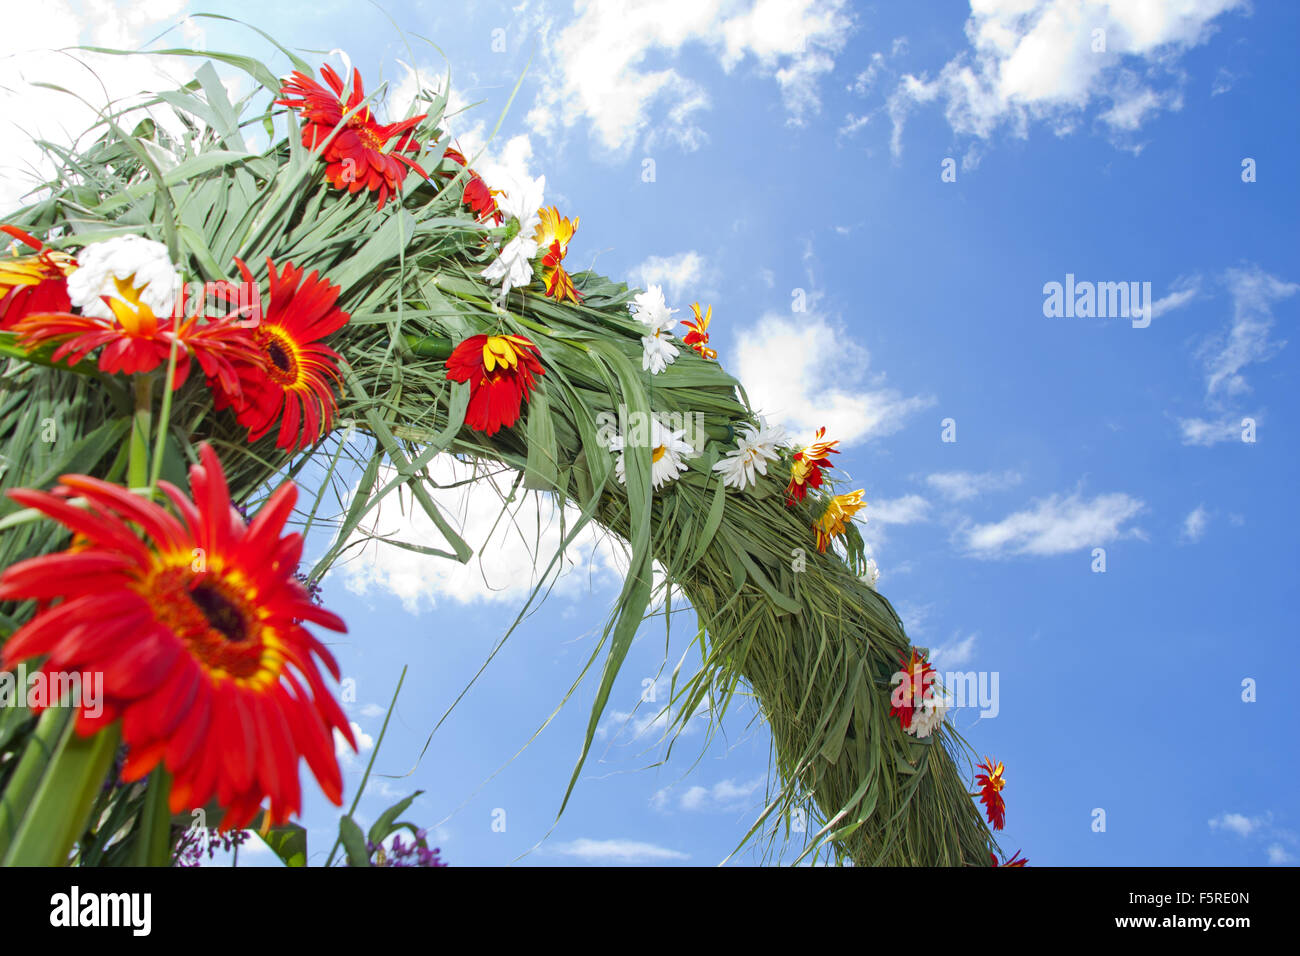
{"x":358,"y":156}
{"x":807,"y":466}
{"x":698,"y":336}
{"x":991,"y":783}
{"x":839,"y":511}
{"x":1015,"y":860}
{"x":35,"y":283}
{"x":136,"y":341}
{"x":553,"y":234}
{"x":197,"y":632}
{"x":500,"y":370}
{"x":912,"y":686}
{"x":292,"y":381}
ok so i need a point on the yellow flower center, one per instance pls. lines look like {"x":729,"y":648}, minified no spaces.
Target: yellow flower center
{"x":659,"y":452}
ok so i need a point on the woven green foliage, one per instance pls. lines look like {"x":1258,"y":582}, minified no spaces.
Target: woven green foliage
{"x":815,"y":646}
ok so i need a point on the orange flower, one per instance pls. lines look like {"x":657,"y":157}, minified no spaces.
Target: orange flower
{"x":698,"y":336}
{"x":358,"y":156}
{"x":991,"y":783}
{"x":197,"y":631}
{"x":500,"y":370}
{"x":912,"y":687}
{"x":839,"y":511}
{"x":553,"y":234}
{"x":33,"y":283}
{"x":807,"y":466}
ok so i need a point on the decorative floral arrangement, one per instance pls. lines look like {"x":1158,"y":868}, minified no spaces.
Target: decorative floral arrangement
{"x":197,"y":332}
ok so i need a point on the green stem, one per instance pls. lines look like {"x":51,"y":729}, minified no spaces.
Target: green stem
{"x":153,"y":844}
{"x":37,"y":757}
{"x":137,"y":469}
{"x":164,"y":417}
{"x":428,"y":346}
{"x":59,"y":811}
{"x":373,"y":753}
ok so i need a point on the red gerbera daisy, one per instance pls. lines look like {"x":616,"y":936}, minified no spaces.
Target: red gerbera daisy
{"x":358,"y":156}
{"x":293,"y":380}
{"x":33,"y":283}
{"x":500,"y":370}
{"x":912,"y":686}
{"x":480,"y":199}
{"x":807,"y":466}
{"x":991,"y":783}
{"x":197,"y":632}
{"x":136,"y":341}
{"x":1016,"y":860}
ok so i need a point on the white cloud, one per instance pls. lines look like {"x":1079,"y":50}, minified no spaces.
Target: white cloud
{"x":1238,"y":823}
{"x":1195,"y":523}
{"x":1055,"y":525}
{"x":1226,"y":356}
{"x":805,"y":374}
{"x":32,"y":34}
{"x":955,"y":652}
{"x":679,"y":274}
{"x":1247,"y":340}
{"x":599,"y":68}
{"x":1041,"y":60}
{"x":907,"y":509}
{"x":964,"y":485}
{"x":510,"y":551}
{"x":343,"y":750}
{"x":1200,"y":431}
{"x":372,"y":711}
{"x":1184,"y":291}
{"x":723,"y":795}
{"x":1278,"y":855}
{"x":618,"y":851}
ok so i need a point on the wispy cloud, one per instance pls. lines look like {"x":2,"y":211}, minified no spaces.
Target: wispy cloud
{"x":955,"y":652}
{"x":678,"y":274}
{"x":1055,"y":525}
{"x":1195,"y":523}
{"x":964,"y":485}
{"x":1226,"y":356}
{"x":723,"y":795}
{"x":618,"y":851}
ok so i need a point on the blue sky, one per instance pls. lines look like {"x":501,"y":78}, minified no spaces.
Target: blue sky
{"x":798,"y":153}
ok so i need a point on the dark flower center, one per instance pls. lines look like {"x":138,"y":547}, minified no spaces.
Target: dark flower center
{"x":221,"y":613}
{"x":279,"y":357}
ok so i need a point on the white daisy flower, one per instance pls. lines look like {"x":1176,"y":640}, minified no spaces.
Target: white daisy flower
{"x":667,"y":448}
{"x":650,"y":309}
{"x":522,"y":201}
{"x":140,"y":263}
{"x":872,"y":574}
{"x":929,"y":717}
{"x":658,"y":352}
{"x":514,"y":267}
{"x":755,"y":447}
